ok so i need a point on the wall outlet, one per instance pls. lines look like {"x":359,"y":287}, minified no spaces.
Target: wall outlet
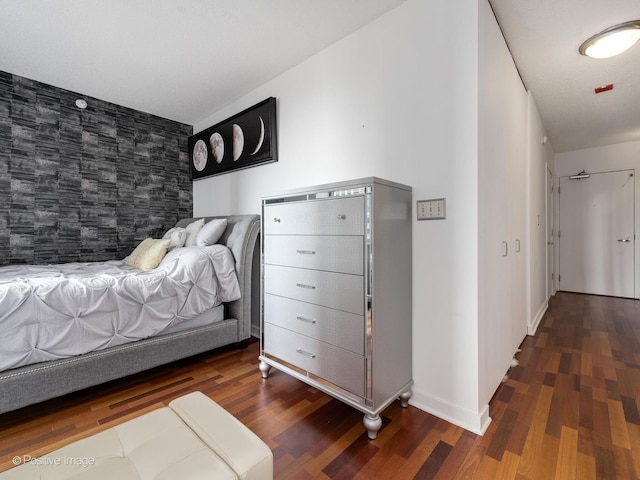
{"x":434,"y":209}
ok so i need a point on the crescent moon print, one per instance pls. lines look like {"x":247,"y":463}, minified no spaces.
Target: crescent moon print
{"x":217,"y":146}
{"x":261,"y":139}
{"x":200,"y":155}
{"x":238,"y":141}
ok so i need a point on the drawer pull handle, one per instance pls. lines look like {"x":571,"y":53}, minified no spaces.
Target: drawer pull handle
{"x":342,"y":216}
{"x":304,"y":285}
{"x":305,"y":319}
{"x":276,"y":219}
{"x":306,"y":252}
{"x":305,"y":353}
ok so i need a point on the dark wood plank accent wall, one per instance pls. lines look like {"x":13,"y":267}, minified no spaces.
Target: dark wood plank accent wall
{"x":84,"y":185}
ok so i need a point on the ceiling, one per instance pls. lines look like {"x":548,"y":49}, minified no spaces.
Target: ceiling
{"x":544,"y":36}
{"x":179,"y":59}
{"x":183,"y":59}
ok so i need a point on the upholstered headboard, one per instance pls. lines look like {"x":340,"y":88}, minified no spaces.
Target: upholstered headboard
{"x":241,"y":237}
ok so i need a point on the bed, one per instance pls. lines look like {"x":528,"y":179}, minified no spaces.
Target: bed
{"x":204,"y":328}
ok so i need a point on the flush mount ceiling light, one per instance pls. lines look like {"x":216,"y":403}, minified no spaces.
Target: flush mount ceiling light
{"x":612,"y":41}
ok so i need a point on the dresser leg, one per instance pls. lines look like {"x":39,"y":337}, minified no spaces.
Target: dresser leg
{"x":264,"y":369}
{"x":372,"y":423}
{"x":404,"y":398}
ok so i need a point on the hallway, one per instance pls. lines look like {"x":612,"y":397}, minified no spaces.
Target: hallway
{"x":570,"y":409}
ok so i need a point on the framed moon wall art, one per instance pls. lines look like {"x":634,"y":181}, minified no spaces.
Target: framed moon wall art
{"x":245,"y":140}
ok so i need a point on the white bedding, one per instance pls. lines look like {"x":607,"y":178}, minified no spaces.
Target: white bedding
{"x":57,"y":311}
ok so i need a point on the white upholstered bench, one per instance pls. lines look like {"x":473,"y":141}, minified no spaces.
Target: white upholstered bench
{"x":193,"y":438}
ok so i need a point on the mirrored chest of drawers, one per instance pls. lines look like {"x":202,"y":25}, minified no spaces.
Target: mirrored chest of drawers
{"x":336,"y":291}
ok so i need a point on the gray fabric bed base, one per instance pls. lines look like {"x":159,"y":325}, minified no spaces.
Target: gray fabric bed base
{"x":28,"y":385}
{"x":31,"y":384}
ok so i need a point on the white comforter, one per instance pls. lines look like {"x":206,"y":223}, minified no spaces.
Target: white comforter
{"x":57,"y":311}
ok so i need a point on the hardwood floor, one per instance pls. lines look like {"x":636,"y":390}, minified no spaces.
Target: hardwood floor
{"x":569,"y":410}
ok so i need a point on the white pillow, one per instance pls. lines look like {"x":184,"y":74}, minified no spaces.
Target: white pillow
{"x":148,"y":254}
{"x":211,"y":232}
{"x":192,"y":232}
{"x":177,"y":235}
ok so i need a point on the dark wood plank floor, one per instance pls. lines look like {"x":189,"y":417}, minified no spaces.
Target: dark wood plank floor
{"x":570,"y":410}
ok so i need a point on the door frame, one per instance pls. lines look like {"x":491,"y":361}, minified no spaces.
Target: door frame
{"x":550,"y":225}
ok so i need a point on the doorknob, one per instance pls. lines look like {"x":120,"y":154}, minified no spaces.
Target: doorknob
{"x":624,"y":240}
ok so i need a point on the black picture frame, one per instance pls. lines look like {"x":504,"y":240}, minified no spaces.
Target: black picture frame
{"x":247,"y":139}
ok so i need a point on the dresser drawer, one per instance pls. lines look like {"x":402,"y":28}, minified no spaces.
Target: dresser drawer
{"x":342,"y":329}
{"x":341,"y":367}
{"x":333,"y":290}
{"x":330,"y":253}
{"x":336,"y":216}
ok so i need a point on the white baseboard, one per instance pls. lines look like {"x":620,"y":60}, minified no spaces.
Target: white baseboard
{"x":474,"y":422}
{"x":255,"y":331}
{"x":535,"y":322}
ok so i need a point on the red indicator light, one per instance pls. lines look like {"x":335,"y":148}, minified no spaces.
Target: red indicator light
{"x":605,"y":88}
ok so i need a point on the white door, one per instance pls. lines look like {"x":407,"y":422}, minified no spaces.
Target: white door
{"x":597,"y":234}
{"x":550,"y":235}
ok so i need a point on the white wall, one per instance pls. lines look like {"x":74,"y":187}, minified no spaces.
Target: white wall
{"x":398,"y":100}
{"x":540,"y":157}
{"x":620,"y":156}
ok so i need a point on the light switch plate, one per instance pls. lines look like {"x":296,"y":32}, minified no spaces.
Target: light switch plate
{"x":433,"y":209}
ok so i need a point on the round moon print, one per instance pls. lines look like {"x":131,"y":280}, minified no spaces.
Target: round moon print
{"x":200,"y":155}
{"x":238,"y":141}
{"x":217,"y":146}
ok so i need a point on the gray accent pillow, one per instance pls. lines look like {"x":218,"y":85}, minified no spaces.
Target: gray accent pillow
{"x":192,"y":232}
{"x":211,"y":232}
{"x":177,"y":235}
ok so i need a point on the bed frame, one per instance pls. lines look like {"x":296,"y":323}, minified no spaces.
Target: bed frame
{"x":35,"y":383}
